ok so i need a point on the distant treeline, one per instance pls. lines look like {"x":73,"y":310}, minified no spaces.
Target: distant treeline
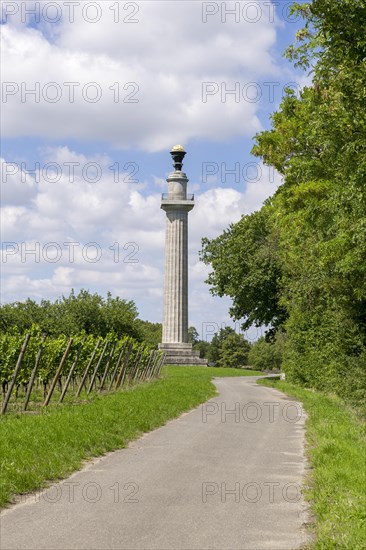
{"x":91,"y":314}
{"x":77,"y":313}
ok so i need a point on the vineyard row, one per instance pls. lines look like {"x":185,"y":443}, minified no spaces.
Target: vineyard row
{"x":37,"y":369}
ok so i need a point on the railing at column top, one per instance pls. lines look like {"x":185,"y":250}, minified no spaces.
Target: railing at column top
{"x":167,"y":197}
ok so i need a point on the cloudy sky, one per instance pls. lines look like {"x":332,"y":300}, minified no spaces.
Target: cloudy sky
{"x":94,"y":95}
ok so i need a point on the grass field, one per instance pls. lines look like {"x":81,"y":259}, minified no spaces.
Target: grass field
{"x":336,"y":446}
{"x":39,"y":448}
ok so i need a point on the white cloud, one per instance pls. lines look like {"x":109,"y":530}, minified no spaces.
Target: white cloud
{"x":109,"y":236}
{"x":22,"y":185}
{"x":168,"y":54}
{"x":218,"y":207}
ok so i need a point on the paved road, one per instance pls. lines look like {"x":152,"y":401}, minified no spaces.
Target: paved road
{"x":207,"y":480}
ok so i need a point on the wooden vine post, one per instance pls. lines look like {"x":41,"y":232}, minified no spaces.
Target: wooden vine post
{"x":147,"y":366}
{"x":117,"y":365}
{"x":72,"y":370}
{"x":58,"y":372}
{"x":33,"y":375}
{"x":88,"y":368}
{"x":136,"y":365}
{"x":16,"y":371}
{"x":159,"y":365}
{"x":122,"y":374}
{"x":107,"y":366}
{"x":97,"y":367}
{"x":153,"y":365}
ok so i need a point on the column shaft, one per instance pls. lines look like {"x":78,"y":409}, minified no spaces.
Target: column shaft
{"x":175,"y":323}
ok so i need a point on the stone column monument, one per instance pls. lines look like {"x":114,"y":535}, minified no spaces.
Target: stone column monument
{"x":176,"y":203}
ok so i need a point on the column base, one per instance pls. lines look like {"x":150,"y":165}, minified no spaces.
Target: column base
{"x":181,"y":354}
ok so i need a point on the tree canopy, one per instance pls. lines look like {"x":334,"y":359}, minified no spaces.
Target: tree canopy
{"x":82,"y":312}
{"x":228,"y":349}
{"x":300,"y":262}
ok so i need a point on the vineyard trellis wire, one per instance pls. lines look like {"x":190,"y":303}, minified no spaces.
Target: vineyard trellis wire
{"x":36,"y":370}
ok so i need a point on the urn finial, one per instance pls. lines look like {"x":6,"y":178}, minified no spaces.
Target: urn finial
{"x":178,"y":153}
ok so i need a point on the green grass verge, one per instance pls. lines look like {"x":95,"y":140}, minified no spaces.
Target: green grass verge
{"x":336,"y":447}
{"x":36,"y":449}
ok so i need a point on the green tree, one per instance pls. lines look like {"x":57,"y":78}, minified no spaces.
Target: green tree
{"x":267,"y":354}
{"x":193,"y":335}
{"x":203,"y":347}
{"x":246,"y":267}
{"x":151,"y":333}
{"x":73,"y":314}
{"x":228,"y":349}
{"x":234,"y":351}
{"x":299,"y":263}
{"x":216,"y":343}
{"x":20,"y":314}
{"x":120,"y":317}
{"x":81,"y":312}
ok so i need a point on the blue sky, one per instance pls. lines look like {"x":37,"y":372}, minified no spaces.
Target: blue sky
{"x":85,"y":156}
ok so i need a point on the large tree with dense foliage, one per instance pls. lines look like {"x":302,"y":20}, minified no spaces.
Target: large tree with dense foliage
{"x":246,"y":254}
{"x":228,"y":349}
{"x":305,"y":268}
{"x":82,"y":312}
{"x":267,"y":355}
{"x":151,"y":333}
{"x":234,"y":351}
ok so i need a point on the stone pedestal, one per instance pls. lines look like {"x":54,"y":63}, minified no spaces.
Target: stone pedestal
{"x":176,"y":203}
{"x":181,"y":354}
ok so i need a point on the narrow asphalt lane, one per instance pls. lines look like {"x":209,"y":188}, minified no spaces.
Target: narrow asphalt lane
{"x":226,"y":476}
